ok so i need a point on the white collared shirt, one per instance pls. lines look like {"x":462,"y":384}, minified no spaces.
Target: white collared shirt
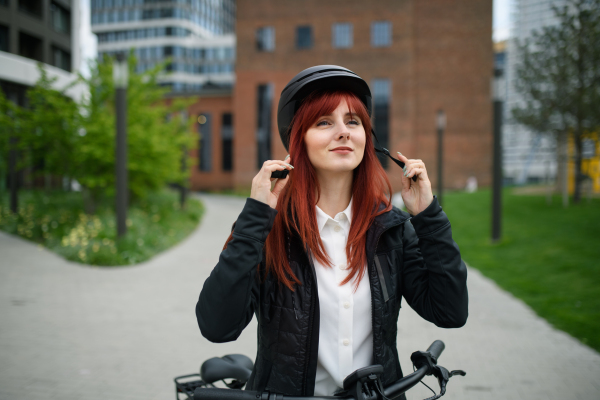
{"x":346,"y":332}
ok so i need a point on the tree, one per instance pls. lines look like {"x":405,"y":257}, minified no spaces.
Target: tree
{"x":155,"y":140}
{"x":51,"y":121}
{"x":558,"y":76}
{"x":11,"y":128}
{"x":62,"y":137}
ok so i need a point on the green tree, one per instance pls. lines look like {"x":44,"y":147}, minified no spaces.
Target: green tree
{"x":155,"y":140}
{"x":558,"y":76}
{"x":51,"y":123}
{"x":10,"y":130}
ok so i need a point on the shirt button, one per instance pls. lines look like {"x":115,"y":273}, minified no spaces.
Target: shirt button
{"x":346,"y":304}
{"x":346,"y":342}
{"x":342,"y":266}
{"x":337,"y":228}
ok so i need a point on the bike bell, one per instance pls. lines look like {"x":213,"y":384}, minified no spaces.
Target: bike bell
{"x":321,"y":77}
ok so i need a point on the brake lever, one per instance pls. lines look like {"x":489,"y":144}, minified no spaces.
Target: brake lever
{"x":444,"y":376}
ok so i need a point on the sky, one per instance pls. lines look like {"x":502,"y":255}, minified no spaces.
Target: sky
{"x":88,"y":42}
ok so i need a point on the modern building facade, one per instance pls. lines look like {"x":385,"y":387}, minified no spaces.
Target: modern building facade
{"x":33,"y":31}
{"x":197,"y":35}
{"x":528,"y":157}
{"x":417,"y":56}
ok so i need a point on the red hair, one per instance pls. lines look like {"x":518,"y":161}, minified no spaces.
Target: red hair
{"x":297,"y":200}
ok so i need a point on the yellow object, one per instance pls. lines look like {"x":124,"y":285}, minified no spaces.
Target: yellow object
{"x":589,"y":166}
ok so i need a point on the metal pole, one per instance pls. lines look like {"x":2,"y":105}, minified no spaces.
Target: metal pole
{"x":497,"y":159}
{"x":182,"y":186}
{"x":497,"y":174}
{"x":441,"y":125}
{"x":121,"y":143}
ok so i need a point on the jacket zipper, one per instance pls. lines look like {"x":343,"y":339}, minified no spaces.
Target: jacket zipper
{"x":381,"y":283}
{"x":311,"y":316}
{"x":310,"y":322}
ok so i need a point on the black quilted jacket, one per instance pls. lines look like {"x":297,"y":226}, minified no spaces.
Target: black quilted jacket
{"x":414,"y":258}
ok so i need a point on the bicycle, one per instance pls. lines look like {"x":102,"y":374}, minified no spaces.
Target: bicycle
{"x":362,"y":384}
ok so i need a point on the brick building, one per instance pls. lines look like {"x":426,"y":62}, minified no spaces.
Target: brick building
{"x":418,"y":57}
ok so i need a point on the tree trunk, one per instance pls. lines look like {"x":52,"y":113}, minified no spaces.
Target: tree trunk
{"x":47,"y":181}
{"x":89,"y":201}
{"x":12,"y":175}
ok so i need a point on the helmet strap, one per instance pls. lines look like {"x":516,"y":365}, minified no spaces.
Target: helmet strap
{"x":386,"y":151}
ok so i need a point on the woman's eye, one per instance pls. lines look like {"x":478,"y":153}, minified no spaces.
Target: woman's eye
{"x":353,"y":121}
{"x":321,"y":123}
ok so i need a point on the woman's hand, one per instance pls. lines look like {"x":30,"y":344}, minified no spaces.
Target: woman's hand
{"x":261,"y":184}
{"x":416,"y":195}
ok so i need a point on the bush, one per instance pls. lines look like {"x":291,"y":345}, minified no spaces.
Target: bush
{"x":57,"y":221}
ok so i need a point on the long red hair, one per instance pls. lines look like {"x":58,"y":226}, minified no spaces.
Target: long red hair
{"x":297,"y":200}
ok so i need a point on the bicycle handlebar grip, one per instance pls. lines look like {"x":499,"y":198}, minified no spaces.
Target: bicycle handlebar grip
{"x":436,"y":349}
{"x":223,"y":394}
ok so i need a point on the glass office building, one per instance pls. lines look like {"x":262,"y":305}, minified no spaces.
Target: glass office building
{"x":197,"y":35}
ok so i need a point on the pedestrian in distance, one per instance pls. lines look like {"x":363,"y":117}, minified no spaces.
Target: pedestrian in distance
{"x":321,"y":256}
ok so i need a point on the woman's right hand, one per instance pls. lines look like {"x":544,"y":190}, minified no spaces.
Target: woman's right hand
{"x":261,"y":184}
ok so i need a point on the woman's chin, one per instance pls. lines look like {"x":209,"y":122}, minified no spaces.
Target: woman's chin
{"x":342,"y":167}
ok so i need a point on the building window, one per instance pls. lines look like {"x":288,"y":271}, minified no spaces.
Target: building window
{"x":227,"y":138}
{"x":61,"y":59}
{"x":341,"y":35}
{"x":265,"y":38}
{"x":263,"y":126}
{"x":304,"y":37}
{"x":205,"y":132}
{"x":4,"y":38}
{"x":32,"y":7}
{"x":31,"y":47}
{"x":381,"y":114}
{"x":61,"y":18}
{"x":381,"y":34}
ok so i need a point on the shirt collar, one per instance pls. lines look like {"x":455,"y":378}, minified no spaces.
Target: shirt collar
{"x":322,"y":217}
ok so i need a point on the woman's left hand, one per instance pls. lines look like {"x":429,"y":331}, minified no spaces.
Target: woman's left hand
{"x":417,"y":195}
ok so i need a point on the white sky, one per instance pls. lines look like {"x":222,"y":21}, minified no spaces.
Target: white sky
{"x":88,"y":42}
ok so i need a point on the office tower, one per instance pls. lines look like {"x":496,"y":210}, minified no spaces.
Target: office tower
{"x":528,"y":157}
{"x":198,"y":35}
{"x":33,"y":31}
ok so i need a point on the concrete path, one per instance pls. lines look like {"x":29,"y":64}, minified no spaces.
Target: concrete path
{"x":69,"y":331}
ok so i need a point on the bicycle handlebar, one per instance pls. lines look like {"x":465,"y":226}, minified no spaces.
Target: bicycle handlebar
{"x":436,"y":349}
{"x":392,"y":391}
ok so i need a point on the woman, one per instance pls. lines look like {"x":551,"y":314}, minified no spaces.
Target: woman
{"x":322,"y":258}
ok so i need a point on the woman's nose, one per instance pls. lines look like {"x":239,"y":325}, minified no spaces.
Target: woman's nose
{"x":343,"y":132}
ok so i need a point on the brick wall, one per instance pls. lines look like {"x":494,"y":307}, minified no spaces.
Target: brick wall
{"x":441,"y":57}
{"x":217,"y":178}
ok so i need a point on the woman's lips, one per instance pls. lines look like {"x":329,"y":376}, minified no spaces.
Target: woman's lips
{"x":342,"y":151}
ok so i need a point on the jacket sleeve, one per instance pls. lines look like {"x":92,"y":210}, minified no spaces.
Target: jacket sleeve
{"x":228,"y":297}
{"x":434,"y":276}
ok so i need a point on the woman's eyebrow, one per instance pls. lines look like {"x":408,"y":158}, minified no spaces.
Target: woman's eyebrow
{"x":345,"y":115}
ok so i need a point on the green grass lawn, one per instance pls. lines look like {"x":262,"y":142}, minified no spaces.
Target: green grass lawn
{"x":549,"y":256}
{"x":56,"y":220}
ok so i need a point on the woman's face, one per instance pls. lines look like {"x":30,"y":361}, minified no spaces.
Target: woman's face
{"x":336,"y":142}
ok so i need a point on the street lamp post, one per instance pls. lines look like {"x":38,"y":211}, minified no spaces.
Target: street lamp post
{"x":120,"y":77}
{"x":441,"y":126}
{"x":497,"y":159}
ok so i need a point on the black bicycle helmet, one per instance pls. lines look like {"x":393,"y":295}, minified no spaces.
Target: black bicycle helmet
{"x":321,"y":77}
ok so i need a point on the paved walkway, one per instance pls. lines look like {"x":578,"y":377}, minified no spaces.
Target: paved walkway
{"x":69,"y":331}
